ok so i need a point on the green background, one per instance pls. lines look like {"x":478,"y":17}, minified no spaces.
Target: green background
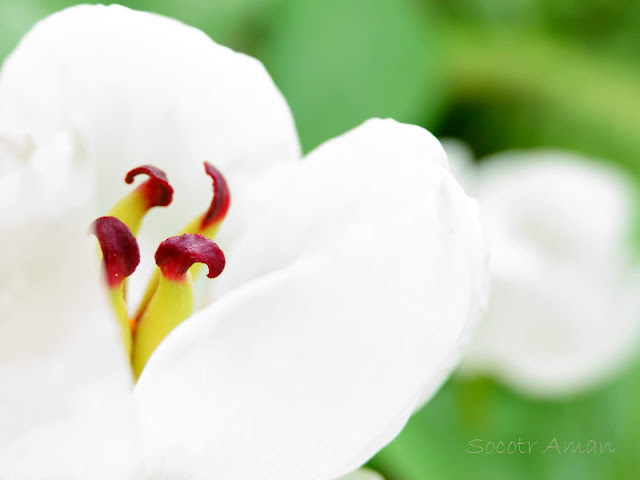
{"x":497,"y":73}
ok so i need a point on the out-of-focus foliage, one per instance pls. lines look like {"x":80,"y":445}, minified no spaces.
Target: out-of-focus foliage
{"x":434,"y":443}
{"x":337,"y":67}
{"x":606,"y":25}
{"x":498,"y":74}
{"x":534,"y":90}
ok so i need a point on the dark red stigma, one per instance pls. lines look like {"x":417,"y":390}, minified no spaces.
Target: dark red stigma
{"x":221,"y":197}
{"x":156,"y":191}
{"x":120,"y":251}
{"x":176,"y":255}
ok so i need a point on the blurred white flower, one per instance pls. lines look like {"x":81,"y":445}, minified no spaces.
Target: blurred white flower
{"x":352,"y":276}
{"x":564,"y":312}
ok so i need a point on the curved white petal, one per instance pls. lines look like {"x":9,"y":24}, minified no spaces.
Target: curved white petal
{"x":461,"y":163}
{"x":370,"y":265}
{"x":363,"y":474}
{"x":65,"y":384}
{"x":564,"y":311}
{"x":147,"y":89}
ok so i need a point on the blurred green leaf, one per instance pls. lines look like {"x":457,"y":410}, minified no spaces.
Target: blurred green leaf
{"x":541,"y":91}
{"x":235,"y":23}
{"x":230,"y":22}
{"x":340,"y":62}
{"x":16,"y":17}
{"x":609,"y":26}
{"x":434,"y":443}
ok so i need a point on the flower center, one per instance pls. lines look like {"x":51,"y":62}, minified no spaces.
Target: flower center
{"x":168,"y":298}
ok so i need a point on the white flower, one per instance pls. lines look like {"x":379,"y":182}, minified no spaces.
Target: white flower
{"x":352,"y":276}
{"x":363,"y":474}
{"x":564,"y":313}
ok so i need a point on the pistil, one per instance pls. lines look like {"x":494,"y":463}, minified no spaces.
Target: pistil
{"x":168,"y":300}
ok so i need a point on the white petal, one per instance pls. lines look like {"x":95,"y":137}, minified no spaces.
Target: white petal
{"x":363,"y":474}
{"x":147,"y":89}
{"x":564,"y":311}
{"x":65,"y":385}
{"x":369,"y":265}
{"x":354,"y":179}
{"x":461,"y":163}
